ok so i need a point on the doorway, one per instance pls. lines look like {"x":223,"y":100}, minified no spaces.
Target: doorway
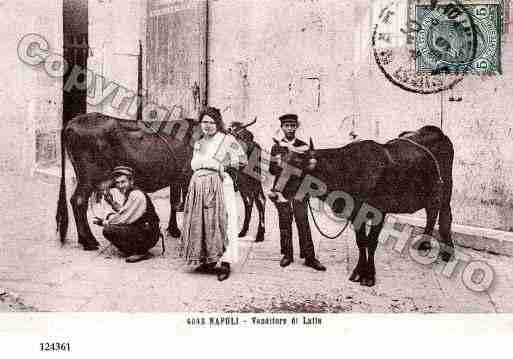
{"x":75,"y":50}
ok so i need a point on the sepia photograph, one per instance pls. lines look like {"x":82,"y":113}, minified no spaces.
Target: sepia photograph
{"x":256,"y":163}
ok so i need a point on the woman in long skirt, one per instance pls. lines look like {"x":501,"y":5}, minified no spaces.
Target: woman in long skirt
{"x":209,"y":233}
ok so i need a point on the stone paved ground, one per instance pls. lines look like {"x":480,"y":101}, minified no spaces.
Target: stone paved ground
{"x":36,"y":273}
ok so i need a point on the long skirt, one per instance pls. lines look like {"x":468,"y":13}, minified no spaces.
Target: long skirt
{"x":210,"y":220}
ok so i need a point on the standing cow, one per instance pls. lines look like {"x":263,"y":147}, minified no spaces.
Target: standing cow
{"x":250,"y":185}
{"x":96,"y":143}
{"x":404,"y":175}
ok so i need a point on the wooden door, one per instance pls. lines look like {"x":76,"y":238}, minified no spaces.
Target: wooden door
{"x":176,"y":56}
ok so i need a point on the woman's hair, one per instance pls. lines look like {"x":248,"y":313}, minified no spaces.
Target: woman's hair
{"x":215,"y":114}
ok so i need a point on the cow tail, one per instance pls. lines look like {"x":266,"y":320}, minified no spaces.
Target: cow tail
{"x":61,"y":217}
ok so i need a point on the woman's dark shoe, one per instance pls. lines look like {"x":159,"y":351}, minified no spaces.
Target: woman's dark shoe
{"x":206,"y":268}
{"x":224,"y":271}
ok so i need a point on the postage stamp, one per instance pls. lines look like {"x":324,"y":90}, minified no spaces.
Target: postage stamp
{"x":448,"y":42}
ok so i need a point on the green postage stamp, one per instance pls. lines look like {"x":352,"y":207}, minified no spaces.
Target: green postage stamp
{"x":458,"y":38}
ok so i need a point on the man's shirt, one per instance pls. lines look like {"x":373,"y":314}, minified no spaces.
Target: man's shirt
{"x":132,"y":208}
{"x":283,"y":147}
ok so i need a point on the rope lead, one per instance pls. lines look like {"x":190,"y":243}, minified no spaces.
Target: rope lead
{"x":319,"y":229}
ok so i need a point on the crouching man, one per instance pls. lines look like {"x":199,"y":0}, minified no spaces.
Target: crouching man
{"x":133,"y":225}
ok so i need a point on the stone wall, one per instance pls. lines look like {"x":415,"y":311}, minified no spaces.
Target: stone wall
{"x":31,"y":101}
{"x":271,"y":57}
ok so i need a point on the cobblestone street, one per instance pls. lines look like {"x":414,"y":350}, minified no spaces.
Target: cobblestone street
{"x":36,"y":273}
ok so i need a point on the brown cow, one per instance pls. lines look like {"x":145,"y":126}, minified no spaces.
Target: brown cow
{"x":248,"y":182}
{"x":96,"y":143}
{"x":407,"y":174}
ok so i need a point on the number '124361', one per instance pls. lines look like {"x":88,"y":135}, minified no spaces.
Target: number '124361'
{"x":54,"y":347}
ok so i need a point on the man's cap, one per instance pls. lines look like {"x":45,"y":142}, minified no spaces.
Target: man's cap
{"x":288,"y":118}
{"x":122,"y":170}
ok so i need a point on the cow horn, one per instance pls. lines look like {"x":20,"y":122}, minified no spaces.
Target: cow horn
{"x":249,"y":124}
{"x":311,"y":144}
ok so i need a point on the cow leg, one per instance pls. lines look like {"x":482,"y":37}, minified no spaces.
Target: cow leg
{"x":431,"y":215}
{"x":260,"y":204}
{"x":247,"y":199}
{"x":181,"y":196}
{"x":360,"y":269}
{"x":79,"y":202}
{"x":172,"y":229}
{"x":445,"y":233}
{"x":182,"y":192}
{"x":174,"y":200}
{"x":369,"y":278}
{"x":445,"y":222}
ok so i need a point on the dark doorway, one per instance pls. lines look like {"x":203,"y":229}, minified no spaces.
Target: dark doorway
{"x":76,"y":51}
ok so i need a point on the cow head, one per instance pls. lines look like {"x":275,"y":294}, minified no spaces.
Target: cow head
{"x":304,"y":160}
{"x":235,"y":127}
{"x":299,"y":163}
{"x":311,"y":157}
{"x":245,"y":137}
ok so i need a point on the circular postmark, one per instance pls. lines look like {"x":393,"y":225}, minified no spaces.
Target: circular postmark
{"x":428,"y":51}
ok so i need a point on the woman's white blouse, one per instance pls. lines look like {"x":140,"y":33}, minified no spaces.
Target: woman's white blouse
{"x":218,"y":152}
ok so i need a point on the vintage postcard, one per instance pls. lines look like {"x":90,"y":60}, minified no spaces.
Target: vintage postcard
{"x":203,"y":165}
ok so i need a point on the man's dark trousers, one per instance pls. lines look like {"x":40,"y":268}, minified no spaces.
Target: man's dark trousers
{"x":297,"y":209}
{"x":132,"y":238}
